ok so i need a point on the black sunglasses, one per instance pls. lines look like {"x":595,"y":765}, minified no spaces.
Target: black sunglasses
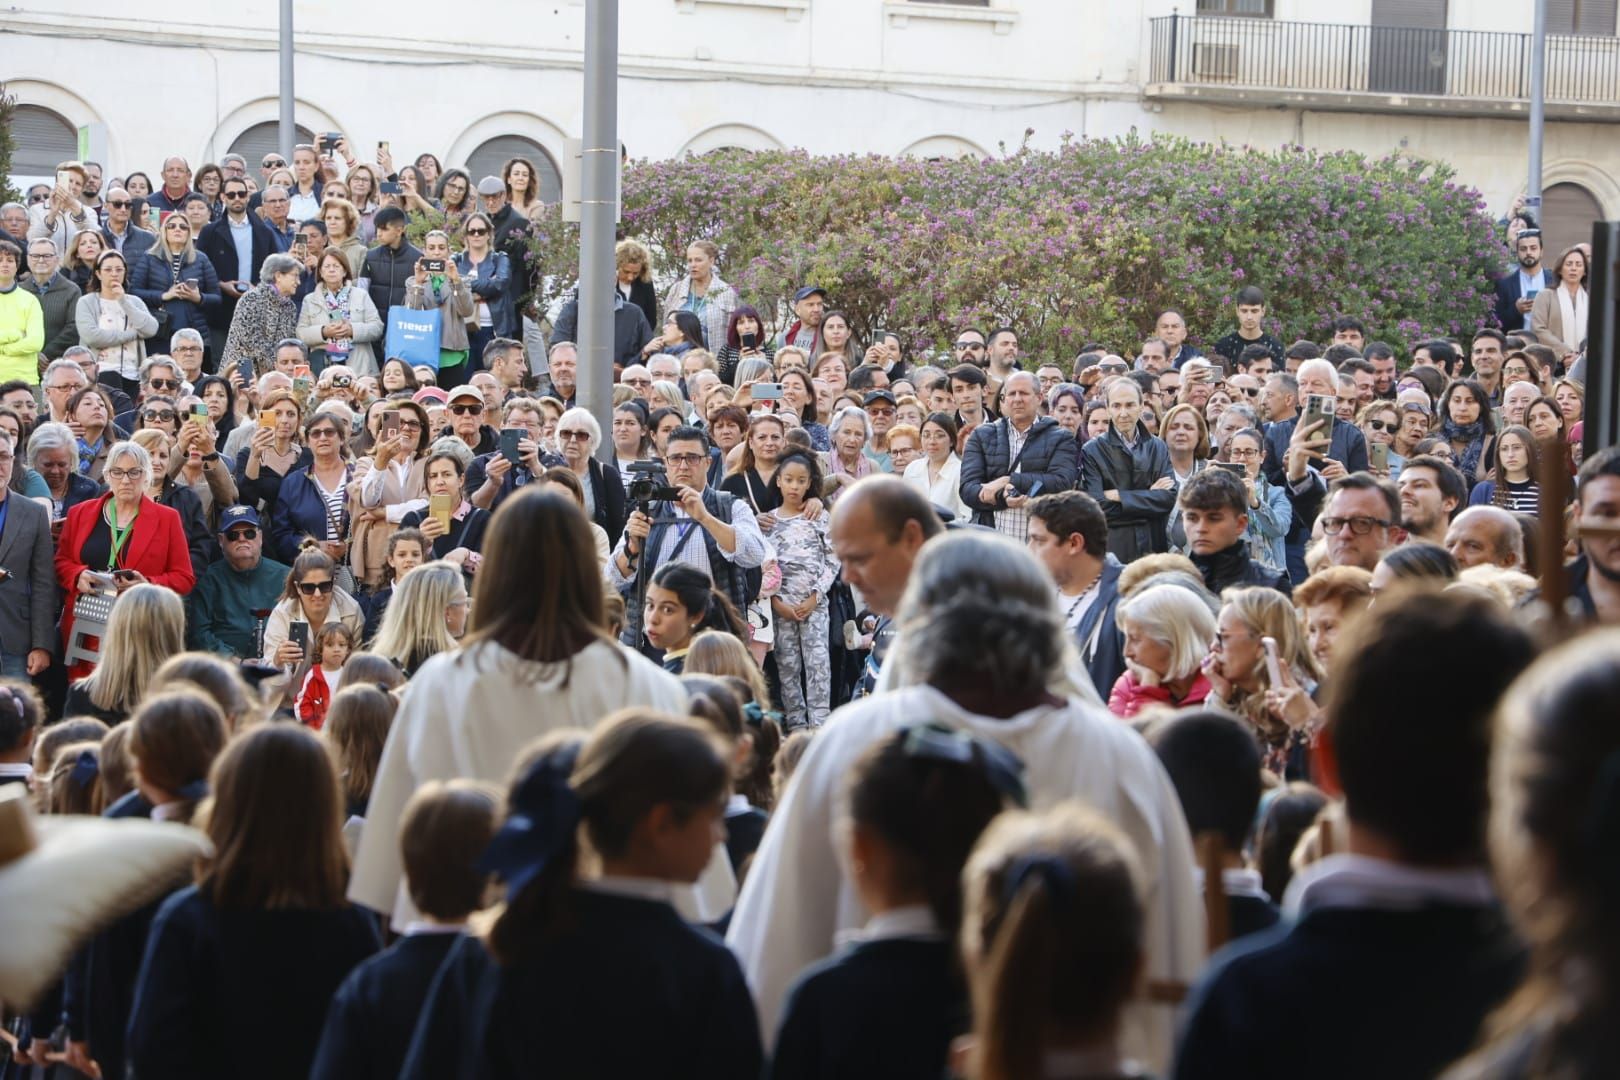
{"x":165,"y":384}
{"x":246,"y":533}
{"x":310,"y":588}
{"x":160,"y":415}
{"x":32,"y":199}
{"x":236,"y":194}
{"x":477,"y":232}
{"x":121,"y":205}
{"x":467,"y":410}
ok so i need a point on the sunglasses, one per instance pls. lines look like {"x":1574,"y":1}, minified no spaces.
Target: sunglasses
{"x":1247,"y":391}
{"x":571,"y":436}
{"x":248,"y":533}
{"x":36,"y":199}
{"x":164,"y":384}
{"x":273,"y":163}
{"x":125,"y":204}
{"x":964,"y":346}
{"x":477,"y":232}
{"x":310,"y":588}
{"x":1382,"y":425}
{"x":160,"y":415}
{"x":236,"y":194}
{"x":324,"y":433}
{"x":467,"y":410}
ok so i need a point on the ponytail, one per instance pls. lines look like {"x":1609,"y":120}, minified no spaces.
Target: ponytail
{"x":722,"y":615}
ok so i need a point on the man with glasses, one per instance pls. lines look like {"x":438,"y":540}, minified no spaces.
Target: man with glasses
{"x":1361,"y":520}
{"x":14,"y":222}
{"x":639,"y":379}
{"x":466,"y":407}
{"x":220,"y":611}
{"x":62,"y":379}
{"x":160,"y":378}
{"x":27,"y":577}
{"x":491,"y":478}
{"x":22,"y":320}
{"x":1020,"y":456}
{"x":187,"y":348}
{"x":511,"y":236}
{"x":121,"y":233}
{"x":268,"y":165}
{"x":705,"y":527}
{"x":881,"y":406}
{"x":233,"y":166}
{"x":1244,"y":390}
{"x":237,"y":244}
{"x":58,"y":298}
{"x":276,"y":205}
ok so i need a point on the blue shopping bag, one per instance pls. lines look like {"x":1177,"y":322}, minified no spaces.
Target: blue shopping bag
{"x":413,"y":336}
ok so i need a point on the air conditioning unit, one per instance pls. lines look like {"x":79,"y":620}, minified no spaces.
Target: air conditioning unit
{"x":1215,"y":61}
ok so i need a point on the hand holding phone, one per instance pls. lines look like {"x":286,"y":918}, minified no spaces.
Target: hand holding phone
{"x":1273,"y":664}
{"x":509,"y":444}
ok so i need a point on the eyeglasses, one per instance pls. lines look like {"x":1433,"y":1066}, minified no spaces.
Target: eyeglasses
{"x":310,"y":588}
{"x":873,"y":411}
{"x":275,"y":202}
{"x":467,"y":410}
{"x":410,"y":425}
{"x":324,"y":433}
{"x":42,"y":255}
{"x":965,"y":346}
{"x":273,"y":163}
{"x":1360,"y":524}
{"x":477,"y":232}
{"x":164,"y":384}
{"x":122,"y":474}
{"x":573,"y":436}
{"x":124,"y":204}
{"x":186,"y":348}
{"x":1382,"y":425}
{"x":686,"y":459}
{"x":1244,"y":455}
{"x":248,"y":533}
{"x":160,"y":415}
{"x":63,"y":388}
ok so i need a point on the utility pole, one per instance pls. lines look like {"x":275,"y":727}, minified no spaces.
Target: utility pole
{"x":599,"y":164}
{"x":287,"y":135}
{"x":1538,"y":109}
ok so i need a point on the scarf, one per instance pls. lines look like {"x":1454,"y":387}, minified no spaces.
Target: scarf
{"x":1472,"y":434}
{"x":1572,"y":314}
{"x":337,"y":309}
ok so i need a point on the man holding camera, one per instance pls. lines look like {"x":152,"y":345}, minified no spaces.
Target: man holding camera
{"x":684,"y":521}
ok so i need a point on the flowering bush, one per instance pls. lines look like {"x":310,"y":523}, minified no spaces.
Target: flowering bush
{"x":1086,"y":243}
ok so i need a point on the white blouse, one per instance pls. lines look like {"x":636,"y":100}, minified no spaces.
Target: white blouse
{"x":946,"y":491}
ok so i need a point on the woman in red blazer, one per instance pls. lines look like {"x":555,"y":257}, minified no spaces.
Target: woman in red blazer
{"x":124,"y":532}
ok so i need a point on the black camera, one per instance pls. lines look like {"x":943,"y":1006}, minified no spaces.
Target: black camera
{"x":649,"y":484}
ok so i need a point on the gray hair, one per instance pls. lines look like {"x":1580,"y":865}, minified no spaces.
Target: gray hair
{"x":1250,"y":419}
{"x":64,"y":364}
{"x":453,"y":446}
{"x":50,"y":436}
{"x":979,"y":609}
{"x":846,"y":413}
{"x":586,"y":421}
{"x":143,"y":460}
{"x":1317,"y":364}
{"x":291,"y":343}
{"x":558,"y":345}
{"x":268,"y":379}
{"x":13,"y":206}
{"x":1176,"y":617}
{"x":187,"y":334}
{"x":278,"y":264}
{"x":161,"y":360}
{"x":752,"y":369}
{"x":69,"y":353}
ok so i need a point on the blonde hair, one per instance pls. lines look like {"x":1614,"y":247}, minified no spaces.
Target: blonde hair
{"x":351,"y":216}
{"x":714,"y":652}
{"x":413,"y":627}
{"x":1268,"y":613}
{"x":146,"y":627}
{"x":188,"y":253}
{"x":629,"y":251}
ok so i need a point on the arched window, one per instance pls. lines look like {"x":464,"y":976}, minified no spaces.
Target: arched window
{"x":492,"y":156}
{"x":265,"y":138}
{"x":42,"y":140}
{"x":1567,"y":213}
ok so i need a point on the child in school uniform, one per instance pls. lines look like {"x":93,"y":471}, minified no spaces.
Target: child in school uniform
{"x":406,"y":551}
{"x":889,"y":1004}
{"x":1053,"y":941}
{"x":715,"y":702}
{"x":21,"y":714}
{"x":333,"y":644}
{"x":444,"y":830}
{"x":599,"y":976}
{"x":241,"y":966}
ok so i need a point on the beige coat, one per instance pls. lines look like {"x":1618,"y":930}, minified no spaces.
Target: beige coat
{"x":1547,"y":319}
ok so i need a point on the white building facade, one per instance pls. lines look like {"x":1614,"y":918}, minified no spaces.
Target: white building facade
{"x":1439,"y":79}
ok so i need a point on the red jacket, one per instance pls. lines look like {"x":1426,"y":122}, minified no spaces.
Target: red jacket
{"x":1130,"y":697}
{"x":156,"y":548}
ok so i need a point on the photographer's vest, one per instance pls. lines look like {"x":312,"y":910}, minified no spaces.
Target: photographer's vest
{"x":729,"y":578}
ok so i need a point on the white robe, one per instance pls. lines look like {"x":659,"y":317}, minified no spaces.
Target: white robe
{"x":798,"y":895}
{"x":470,"y":714}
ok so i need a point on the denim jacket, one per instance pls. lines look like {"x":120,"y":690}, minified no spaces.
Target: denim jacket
{"x":489,"y":286}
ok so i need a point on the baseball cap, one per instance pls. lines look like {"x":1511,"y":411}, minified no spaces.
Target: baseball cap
{"x":466,"y":391}
{"x":491,"y":185}
{"x":430,"y":393}
{"x":808,"y":291}
{"x":237,"y":515}
{"x":879,"y":395}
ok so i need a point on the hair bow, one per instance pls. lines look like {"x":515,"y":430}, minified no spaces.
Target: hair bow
{"x":85,"y":770}
{"x":545,"y":814}
{"x":1051,"y":870}
{"x":1001,"y":767}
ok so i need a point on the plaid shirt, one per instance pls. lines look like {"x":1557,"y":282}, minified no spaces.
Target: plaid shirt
{"x":1015,"y":523}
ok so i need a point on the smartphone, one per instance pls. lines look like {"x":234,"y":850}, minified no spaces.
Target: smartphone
{"x":1320,"y":407}
{"x":509,"y":444}
{"x":300,"y":371}
{"x":62,"y":179}
{"x":390,"y":187}
{"x":439,"y":507}
{"x":1232,"y":467}
{"x":767,"y":391}
{"x":749,"y":340}
{"x":332,"y":138}
{"x":124,"y":575}
{"x":301,"y":246}
{"x":244,"y":368}
{"x":267,"y":419}
{"x":390,"y":423}
{"x":1273,"y":664}
{"x":1378,"y":456}
{"x":382,"y":146}
{"x":154,"y":218}
{"x":298,"y":634}
{"x":199,"y":414}
{"x":433,"y":266}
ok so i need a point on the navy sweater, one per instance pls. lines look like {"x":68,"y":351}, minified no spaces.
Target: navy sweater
{"x":625,"y":989}
{"x":368,"y":1028}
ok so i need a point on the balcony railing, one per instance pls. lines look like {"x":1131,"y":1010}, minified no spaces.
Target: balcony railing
{"x":1332,"y":58}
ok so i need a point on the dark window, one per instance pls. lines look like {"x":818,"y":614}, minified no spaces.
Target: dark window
{"x":265,"y":138}
{"x":1586,"y":17}
{"x":1255,"y":8}
{"x":490,"y":158}
{"x":43,"y":140}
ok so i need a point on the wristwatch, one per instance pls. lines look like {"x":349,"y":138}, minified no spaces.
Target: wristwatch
{"x":211,"y":456}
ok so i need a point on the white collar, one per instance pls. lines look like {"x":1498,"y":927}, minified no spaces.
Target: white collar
{"x":635,"y":888}
{"x":168,"y":811}
{"x":423,"y":928}
{"x":1361,"y":881}
{"x":914,"y":921}
{"x":16,"y":768}
{"x":1235,"y":881}
{"x":1057,"y":1064}
{"x":738,"y":804}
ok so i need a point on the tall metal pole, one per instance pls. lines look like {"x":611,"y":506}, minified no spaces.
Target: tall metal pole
{"x":598,"y":205}
{"x":1538,"y":108}
{"x":287,"y":135}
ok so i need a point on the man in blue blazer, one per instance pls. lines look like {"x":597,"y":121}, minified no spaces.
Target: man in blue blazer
{"x":1516,"y":291}
{"x":225,"y":241}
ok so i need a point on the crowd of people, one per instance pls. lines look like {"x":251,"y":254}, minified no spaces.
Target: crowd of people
{"x":845,"y":709}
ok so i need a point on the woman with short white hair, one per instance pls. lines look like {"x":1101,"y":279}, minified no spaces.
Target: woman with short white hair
{"x":1167,"y":631}
{"x":602,"y":484}
{"x":982,"y":639}
{"x":850,"y":431}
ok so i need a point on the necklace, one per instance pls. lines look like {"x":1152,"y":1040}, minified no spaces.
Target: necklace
{"x":1068,"y":616}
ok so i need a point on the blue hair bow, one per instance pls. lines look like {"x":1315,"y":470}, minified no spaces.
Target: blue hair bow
{"x":195,"y":791}
{"x":1050,"y":870}
{"x":85,"y":770}
{"x":545,"y":815}
{"x":1001,"y":767}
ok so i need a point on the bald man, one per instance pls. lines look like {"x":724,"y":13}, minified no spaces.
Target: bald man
{"x":1486,"y":536}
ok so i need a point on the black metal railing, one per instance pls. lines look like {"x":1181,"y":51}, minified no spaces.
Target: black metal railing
{"x":1247,"y":52}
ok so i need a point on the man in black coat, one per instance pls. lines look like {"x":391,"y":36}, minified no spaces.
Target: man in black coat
{"x":1068,"y":533}
{"x":1127,"y":470}
{"x":1022,"y":455}
{"x":392,"y":263}
{"x":1402,"y":930}
{"x":223,"y":241}
{"x":1515,"y":291}
{"x":1215,"y":508}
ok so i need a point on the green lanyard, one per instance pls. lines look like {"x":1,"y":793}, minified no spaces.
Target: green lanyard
{"x":119,"y":536}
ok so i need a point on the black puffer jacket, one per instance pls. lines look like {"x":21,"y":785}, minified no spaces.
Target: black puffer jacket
{"x":1048,"y":459}
{"x":1233,"y":568}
